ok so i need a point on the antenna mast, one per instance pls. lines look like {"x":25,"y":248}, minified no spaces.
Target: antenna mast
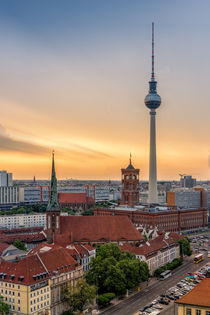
{"x":153,"y":48}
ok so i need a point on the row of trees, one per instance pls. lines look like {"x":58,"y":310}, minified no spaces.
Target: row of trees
{"x":170,"y":266}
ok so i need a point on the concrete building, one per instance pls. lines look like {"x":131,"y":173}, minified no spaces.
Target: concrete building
{"x":23,"y":220}
{"x":9,"y":196}
{"x":5,"y":179}
{"x":197,"y":301}
{"x":152,"y":101}
{"x":161,"y":195}
{"x":30,"y":194}
{"x":187,"y":181}
{"x":184,"y":198}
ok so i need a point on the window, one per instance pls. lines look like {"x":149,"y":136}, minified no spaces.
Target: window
{"x":189,"y":311}
{"x":198,"y":312}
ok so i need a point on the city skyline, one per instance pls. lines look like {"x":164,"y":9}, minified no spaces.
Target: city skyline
{"x":75,"y":82}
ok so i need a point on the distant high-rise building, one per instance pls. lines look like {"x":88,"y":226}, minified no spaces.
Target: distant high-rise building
{"x":152,"y":101}
{"x":5,"y":179}
{"x":187,"y":181}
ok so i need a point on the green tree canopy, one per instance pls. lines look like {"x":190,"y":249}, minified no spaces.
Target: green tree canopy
{"x":115,"y":271}
{"x":185,"y":248}
{"x":4,"y":308}
{"x":20,"y":245}
{"x":83,"y":294}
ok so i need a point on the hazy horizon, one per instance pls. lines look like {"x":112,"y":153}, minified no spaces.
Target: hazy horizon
{"x":73,"y":78}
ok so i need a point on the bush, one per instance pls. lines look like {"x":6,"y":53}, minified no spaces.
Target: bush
{"x":105,"y":299}
{"x":68,"y":313}
{"x":170,"y":266}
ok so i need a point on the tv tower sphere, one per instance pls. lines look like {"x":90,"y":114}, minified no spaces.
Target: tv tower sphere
{"x":152,"y":101}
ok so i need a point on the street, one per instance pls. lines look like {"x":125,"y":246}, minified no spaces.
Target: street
{"x":131,"y":305}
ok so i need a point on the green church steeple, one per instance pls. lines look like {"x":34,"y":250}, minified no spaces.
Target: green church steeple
{"x":53,"y":204}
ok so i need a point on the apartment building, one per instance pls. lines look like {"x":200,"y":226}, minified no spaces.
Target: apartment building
{"x":23,"y":220}
{"x":156,"y":253}
{"x":34,"y":285}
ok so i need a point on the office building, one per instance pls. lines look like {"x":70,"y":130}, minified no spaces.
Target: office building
{"x":184,"y":198}
{"x":9,"y":196}
{"x":187,"y":181}
{"x":5,"y":179}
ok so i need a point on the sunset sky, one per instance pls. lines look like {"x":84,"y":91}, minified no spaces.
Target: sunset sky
{"x":73,"y":77}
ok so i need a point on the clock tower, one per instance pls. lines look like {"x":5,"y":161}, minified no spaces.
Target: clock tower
{"x":130,"y":185}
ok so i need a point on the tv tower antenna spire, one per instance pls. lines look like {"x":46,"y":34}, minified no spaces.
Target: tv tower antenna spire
{"x":152,"y":101}
{"x":153,"y":51}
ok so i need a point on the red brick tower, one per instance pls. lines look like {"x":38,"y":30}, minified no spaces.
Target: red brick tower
{"x":130,"y":185}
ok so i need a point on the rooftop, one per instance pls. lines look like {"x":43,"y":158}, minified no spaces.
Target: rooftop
{"x":199,"y":296}
{"x":37,"y":267}
{"x":97,"y":229}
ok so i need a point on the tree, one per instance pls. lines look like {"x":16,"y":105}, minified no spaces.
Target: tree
{"x":4,"y":308}
{"x":115,"y":271}
{"x":20,"y":245}
{"x":88,"y":212}
{"x":105,"y":298}
{"x":185,"y":248}
{"x":79,"y":296}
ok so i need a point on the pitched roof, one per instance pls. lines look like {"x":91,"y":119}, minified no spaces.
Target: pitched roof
{"x":150,"y":248}
{"x":74,"y":198}
{"x":130,"y":167}
{"x":26,"y":238}
{"x":34,"y":229}
{"x":58,"y":260}
{"x":199,"y":296}
{"x":3,"y":246}
{"x":96,"y":229}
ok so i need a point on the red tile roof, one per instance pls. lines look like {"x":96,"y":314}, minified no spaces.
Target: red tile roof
{"x":150,"y":248}
{"x":57,"y":260}
{"x":199,"y":296}
{"x":26,"y":238}
{"x":74,"y":198}
{"x":35,"y":229}
{"x":3,"y":246}
{"x":82,"y":229}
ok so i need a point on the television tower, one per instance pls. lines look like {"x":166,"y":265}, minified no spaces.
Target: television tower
{"x":152,"y":101}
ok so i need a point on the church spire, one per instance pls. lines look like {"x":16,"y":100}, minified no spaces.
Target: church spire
{"x":53,"y":204}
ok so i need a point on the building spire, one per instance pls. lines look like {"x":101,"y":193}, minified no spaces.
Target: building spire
{"x":53,"y":204}
{"x":153,"y":52}
{"x":130,"y":158}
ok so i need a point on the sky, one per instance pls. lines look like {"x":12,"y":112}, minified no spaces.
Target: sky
{"x":73,"y":78}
